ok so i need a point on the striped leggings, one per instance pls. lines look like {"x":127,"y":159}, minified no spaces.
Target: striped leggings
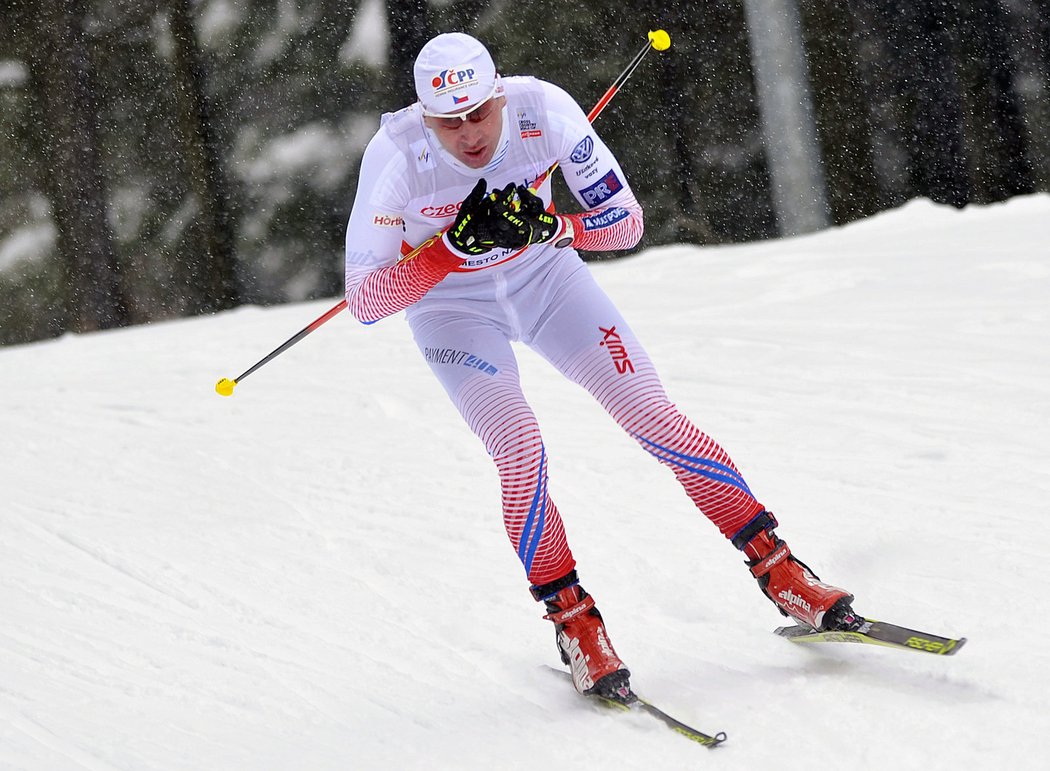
{"x":573,"y":324}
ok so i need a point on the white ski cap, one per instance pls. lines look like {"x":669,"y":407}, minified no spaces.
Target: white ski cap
{"x":454,"y":74}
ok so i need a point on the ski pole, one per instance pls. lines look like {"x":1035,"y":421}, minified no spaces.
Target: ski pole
{"x":658,"y":39}
{"x":225,"y":386}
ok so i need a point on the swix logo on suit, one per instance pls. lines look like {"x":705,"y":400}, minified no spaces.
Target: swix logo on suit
{"x":613,"y":343}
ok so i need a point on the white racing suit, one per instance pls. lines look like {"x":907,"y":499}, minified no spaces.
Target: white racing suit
{"x":465,"y":312}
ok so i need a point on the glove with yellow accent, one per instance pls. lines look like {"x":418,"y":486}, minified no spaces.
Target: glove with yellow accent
{"x":522,"y":219}
{"x":476,"y":227}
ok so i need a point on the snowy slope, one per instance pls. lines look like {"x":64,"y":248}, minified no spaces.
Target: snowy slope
{"x":313,"y":573}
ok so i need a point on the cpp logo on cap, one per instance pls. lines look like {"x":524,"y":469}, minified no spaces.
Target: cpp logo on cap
{"x":454,"y":79}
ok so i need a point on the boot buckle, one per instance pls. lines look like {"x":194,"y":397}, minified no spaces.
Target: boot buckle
{"x":780,"y":553}
{"x":562,"y":616}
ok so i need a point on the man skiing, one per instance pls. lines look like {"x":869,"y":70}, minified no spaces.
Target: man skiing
{"x":465,"y":157}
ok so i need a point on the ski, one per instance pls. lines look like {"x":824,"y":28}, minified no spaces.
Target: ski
{"x":632,"y":702}
{"x":870,"y":632}
{"x":678,"y":726}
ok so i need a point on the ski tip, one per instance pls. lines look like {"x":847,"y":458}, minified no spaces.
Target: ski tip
{"x":710,"y":742}
{"x":792,"y":631}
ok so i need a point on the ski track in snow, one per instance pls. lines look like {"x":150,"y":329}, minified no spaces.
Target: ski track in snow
{"x":313,"y":573}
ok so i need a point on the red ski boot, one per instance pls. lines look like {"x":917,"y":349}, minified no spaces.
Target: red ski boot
{"x":581,"y":638}
{"x":789,"y":583}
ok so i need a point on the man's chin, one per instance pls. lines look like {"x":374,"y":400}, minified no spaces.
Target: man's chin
{"x":476,"y":161}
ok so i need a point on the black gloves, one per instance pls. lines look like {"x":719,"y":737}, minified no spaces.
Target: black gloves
{"x":474,"y":227}
{"x":522,"y":218}
{"x":511,"y":218}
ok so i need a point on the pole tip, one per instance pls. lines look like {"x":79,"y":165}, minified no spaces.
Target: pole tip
{"x":225,"y":387}
{"x":660,"y":40}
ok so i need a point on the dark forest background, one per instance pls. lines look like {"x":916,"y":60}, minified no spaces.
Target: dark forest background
{"x":186,"y":156}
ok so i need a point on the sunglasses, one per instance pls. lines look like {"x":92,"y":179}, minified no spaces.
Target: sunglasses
{"x":477,"y":114}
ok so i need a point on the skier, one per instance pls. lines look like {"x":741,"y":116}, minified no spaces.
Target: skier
{"x":506,"y":269}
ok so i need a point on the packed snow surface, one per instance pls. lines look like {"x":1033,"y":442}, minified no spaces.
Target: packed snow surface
{"x":313,"y":573}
